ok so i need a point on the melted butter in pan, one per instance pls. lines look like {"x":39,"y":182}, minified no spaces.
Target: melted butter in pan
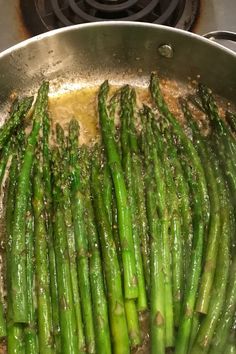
{"x":80,"y":105}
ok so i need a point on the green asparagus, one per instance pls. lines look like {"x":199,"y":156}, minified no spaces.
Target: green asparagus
{"x":19,"y":110}
{"x":44,"y":307}
{"x":124,"y":217}
{"x":119,"y":330}
{"x":18,"y":266}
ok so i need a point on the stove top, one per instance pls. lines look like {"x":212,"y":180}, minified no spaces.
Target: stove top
{"x":21,"y":19}
{"x":58,"y":13}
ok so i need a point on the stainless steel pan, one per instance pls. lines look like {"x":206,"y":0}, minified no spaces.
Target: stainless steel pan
{"x":120,"y":51}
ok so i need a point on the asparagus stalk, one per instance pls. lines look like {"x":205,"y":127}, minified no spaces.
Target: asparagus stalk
{"x":100,"y":307}
{"x":218,"y":124}
{"x":130,"y":306}
{"x":67,"y":207}
{"x":119,"y":331}
{"x":157,"y":291}
{"x":132,"y":319}
{"x":81,"y":241}
{"x":62,"y":145}
{"x":48,"y":214}
{"x":184,"y":331}
{"x":68,"y":328}
{"x":3,"y":163}
{"x":224,"y":140}
{"x":124,"y":217}
{"x":127,"y":167}
{"x":220,"y":338}
{"x":161,"y":198}
{"x":110,"y":203}
{"x":18,"y":266}
{"x":19,"y":111}
{"x":3,"y":331}
{"x":5,"y":154}
{"x":139,"y":188}
{"x":44,"y":308}
{"x":184,"y":198}
{"x":197,"y":182}
{"x":31,"y":337}
{"x":175,"y":226}
{"x":208,"y":325}
{"x":15,"y":333}
{"x":107,"y":192}
{"x":210,"y":258}
{"x":184,"y":140}
{"x":231,"y":120}
{"x":231,"y":346}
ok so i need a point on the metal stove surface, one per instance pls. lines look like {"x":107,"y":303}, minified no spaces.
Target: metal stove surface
{"x":213,"y":15}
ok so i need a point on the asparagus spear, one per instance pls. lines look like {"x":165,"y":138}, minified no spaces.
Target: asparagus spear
{"x":119,"y":331}
{"x":67,"y":208}
{"x":138,"y":188}
{"x":69,"y":340}
{"x":48,"y":214}
{"x":44,"y":308}
{"x":132,"y":320}
{"x":5,"y":154}
{"x":19,"y":111}
{"x":31,"y":337}
{"x":107,"y":192}
{"x":127,"y":167}
{"x":2,"y":320}
{"x":231,"y":345}
{"x":15,"y":333}
{"x":157,"y":291}
{"x":210,"y":258}
{"x":184,"y":198}
{"x":184,"y":140}
{"x":220,"y":338}
{"x":231,"y":120}
{"x":130,"y":305}
{"x":124,"y":217}
{"x":78,"y":208}
{"x":3,"y":163}
{"x":197,"y":182}
{"x":161,"y":198}
{"x":18,"y":266}
{"x":230,"y":348}
{"x":224,"y":140}
{"x":175,"y":226}
{"x":62,"y":144}
{"x":208,"y":325}
{"x":218,"y":124}
{"x":100,"y":307}
{"x":110,"y":203}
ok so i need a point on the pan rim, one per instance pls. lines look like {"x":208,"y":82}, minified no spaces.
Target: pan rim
{"x":40,"y":37}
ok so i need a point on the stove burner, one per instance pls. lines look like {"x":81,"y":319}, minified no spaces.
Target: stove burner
{"x":53,"y":14}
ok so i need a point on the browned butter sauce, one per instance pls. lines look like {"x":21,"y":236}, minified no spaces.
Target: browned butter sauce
{"x":80,"y":105}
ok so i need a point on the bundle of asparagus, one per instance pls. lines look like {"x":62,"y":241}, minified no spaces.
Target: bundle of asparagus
{"x":143,"y":221}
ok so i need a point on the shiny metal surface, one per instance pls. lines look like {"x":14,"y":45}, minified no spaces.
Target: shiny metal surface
{"x":225,"y":38}
{"x":226,"y":35}
{"x":119,"y":51}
